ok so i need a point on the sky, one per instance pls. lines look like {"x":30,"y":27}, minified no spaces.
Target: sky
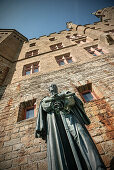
{"x":35,"y":18}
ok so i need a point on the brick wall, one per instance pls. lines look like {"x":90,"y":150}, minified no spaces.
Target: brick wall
{"x":19,"y":149}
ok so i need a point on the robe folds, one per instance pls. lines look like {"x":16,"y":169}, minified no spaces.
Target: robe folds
{"x":69,"y":144}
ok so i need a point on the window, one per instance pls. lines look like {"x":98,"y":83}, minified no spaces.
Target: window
{"x":52,"y":39}
{"x":95,"y":50}
{"x":109,"y":31}
{"x":86,"y":92}
{"x":64,"y":59}
{"x":29,"y":113}
{"x":56,"y":46}
{"x":69,"y":60}
{"x":73,"y":37}
{"x":35,"y":67}
{"x":77,"y":38}
{"x":88,"y":96}
{"x":31,"y":53}
{"x":32,"y":44}
{"x":27,"y":70}
{"x":61,"y":62}
{"x":99,"y":50}
{"x":27,"y":110}
{"x":68,"y":36}
{"x":31,"y":68}
{"x":81,"y":41}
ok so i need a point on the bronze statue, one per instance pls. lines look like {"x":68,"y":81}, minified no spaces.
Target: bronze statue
{"x":69,"y":146}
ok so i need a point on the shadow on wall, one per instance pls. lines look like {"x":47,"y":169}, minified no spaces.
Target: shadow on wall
{"x":6,"y":72}
{"x":7,"y":80}
{"x":112,"y":164}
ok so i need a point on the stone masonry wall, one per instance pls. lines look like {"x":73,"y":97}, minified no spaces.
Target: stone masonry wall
{"x":19,"y":148}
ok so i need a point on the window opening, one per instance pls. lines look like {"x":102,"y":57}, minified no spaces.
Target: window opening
{"x":64,"y":59}
{"x":52,"y":39}
{"x":61,"y":62}
{"x":86,"y":92}
{"x":30,"y":113}
{"x":95,"y":50}
{"x":31,"y":53}
{"x":88,"y":96}
{"x":32,"y":44}
{"x":31,"y":68}
{"x":56,"y":46}
{"x":27,"y":110}
{"x":69,"y":60}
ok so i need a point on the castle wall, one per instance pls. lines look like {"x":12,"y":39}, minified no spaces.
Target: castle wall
{"x":19,"y":149}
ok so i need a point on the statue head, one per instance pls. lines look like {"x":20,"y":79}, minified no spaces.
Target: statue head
{"x":53,"y":89}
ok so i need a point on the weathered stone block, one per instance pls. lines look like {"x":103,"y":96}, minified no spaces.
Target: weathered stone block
{"x":19,"y":161}
{"x":1,"y":158}
{"x":108,"y":146}
{"x":17,"y":146}
{"x":43,"y":165}
{"x":12,"y":142}
{"x":6,"y":149}
{"x":5,"y":164}
{"x":32,"y":166}
{"x":37,"y":156}
{"x":98,"y":139}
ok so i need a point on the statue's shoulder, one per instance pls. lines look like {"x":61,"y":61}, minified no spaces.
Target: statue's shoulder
{"x":45,"y":98}
{"x":67,"y":93}
{"x":46,"y":103}
{"x":64,"y":92}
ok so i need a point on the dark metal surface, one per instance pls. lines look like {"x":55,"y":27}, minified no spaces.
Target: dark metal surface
{"x":69,"y":146}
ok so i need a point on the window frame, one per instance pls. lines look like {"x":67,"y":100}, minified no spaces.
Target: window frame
{"x":88,"y":91}
{"x":31,"y":53}
{"x":95,"y":50}
{"x":29,"y":108}
{"x":61,"y":60}
{"x":32,"y":67}
{"x":64,"y":58}
{"x":27,"y":68}
{"x":32,"y":44}
{"x":56,"y":46}
{"x":52,"y":39}
{"x":35,"y":67}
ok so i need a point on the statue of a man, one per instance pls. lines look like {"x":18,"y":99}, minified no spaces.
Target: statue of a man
{"x":62,"y":118}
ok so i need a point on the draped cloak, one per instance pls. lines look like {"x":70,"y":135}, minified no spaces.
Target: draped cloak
{"x":69,"y":145}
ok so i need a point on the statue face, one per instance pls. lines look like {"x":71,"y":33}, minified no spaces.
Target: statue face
{"x":53,"y":89}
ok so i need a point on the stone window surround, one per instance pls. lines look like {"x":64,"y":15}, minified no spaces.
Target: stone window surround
{"x":75,"y":36}
{"x":95,"y":50}
{"x":82,"y":41}
{"x":32,"y":44}
{"x":56,"y":46}
{"x":88,"y":91}
{"x":52,"y":39}
{"x":31,"y":67}
{"x":79,"y":39}
{"x":28,"y":108}
{"x":3,"y":32}
{"x":64,"y":58}
{"x":109,"y":31}
{"x":31,"y":53}
{"x":23,"y":107}
{"x":87,"y":88}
